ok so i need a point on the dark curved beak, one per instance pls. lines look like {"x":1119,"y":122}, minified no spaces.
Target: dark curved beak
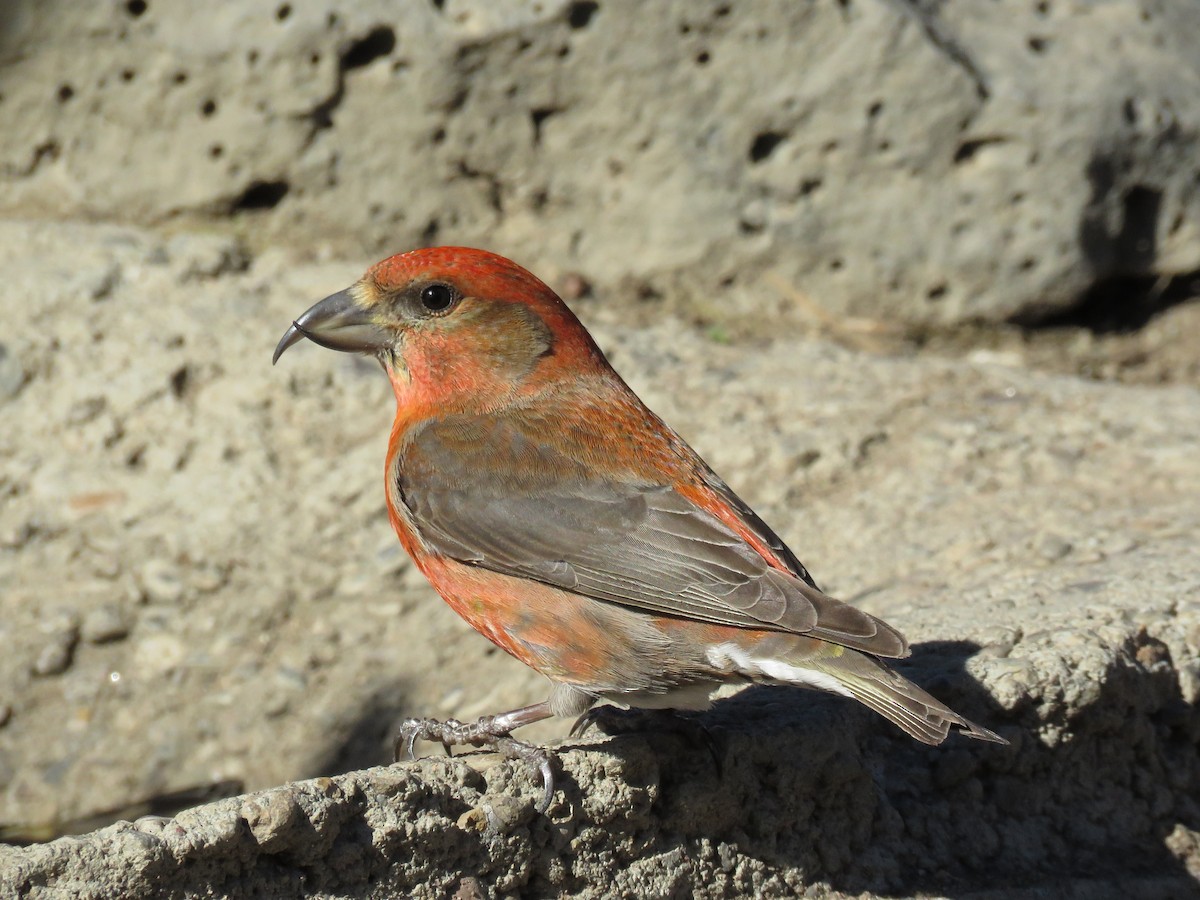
{"x":338,"y":322}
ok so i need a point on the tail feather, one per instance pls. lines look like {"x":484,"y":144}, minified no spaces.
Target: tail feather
{"x":803,"y":660}
{"x":894,"y":697}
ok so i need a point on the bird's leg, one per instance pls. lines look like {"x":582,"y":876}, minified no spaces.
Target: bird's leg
{"x":615,"y":720}
{"x":487,"y":731}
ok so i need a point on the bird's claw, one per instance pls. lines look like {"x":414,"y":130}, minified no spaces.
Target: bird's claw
{"x":537,"y":758}
{"x":596,"y":716}
{"x":481,"y":733}
{"x":404,"y":747}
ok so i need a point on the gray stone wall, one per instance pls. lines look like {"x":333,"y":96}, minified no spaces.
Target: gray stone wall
{"x":916,"y":161}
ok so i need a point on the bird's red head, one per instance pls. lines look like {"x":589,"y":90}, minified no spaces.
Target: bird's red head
{"x":455,"y":328}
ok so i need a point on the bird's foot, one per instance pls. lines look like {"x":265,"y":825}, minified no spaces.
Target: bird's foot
{"x":615,"y":720}
{"x":488,"y":731}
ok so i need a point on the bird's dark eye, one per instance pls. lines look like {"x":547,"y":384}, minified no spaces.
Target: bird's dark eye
{"x":437,"y":297}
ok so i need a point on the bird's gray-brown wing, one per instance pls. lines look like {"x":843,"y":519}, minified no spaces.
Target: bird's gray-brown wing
{"x":641,"y":545}
{"x":759,"y":527}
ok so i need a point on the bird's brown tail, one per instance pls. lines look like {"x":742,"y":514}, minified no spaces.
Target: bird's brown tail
{"x":896,"y":698}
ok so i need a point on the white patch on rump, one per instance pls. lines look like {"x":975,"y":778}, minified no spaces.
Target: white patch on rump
{"x":689,"y":696}
{"x":731,"y":656}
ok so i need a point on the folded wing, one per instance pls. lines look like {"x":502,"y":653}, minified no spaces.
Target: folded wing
{"x":643,"y":546}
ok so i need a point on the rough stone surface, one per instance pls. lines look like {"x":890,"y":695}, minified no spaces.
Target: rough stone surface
{"x":1033,"y":534}
{"x":757,"y":205}
{"x":1096,"y":797}
{"x":918,"y":161}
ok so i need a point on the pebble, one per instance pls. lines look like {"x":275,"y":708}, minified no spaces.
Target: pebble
{"x":158,"y":655}
{"x":207,"y":578}
{"x":469,"y":888}
{"x":1053,"y":548}
{"x":98,"y":282}
{"x":56,"y":657}
{"x":273,"y":817}
{"x":107,"y":567}
{"x":6,"y":714}
{"x":276,"y":704}
{"x":1116,"y":544}
{"x":17,"y":536}
{"x":160,"y":582}
{"x":103,"y":625}
{"x":496,"y":815}
{"x":754,"y":214}
{"x":86,"y":410}
{"x":61,"y":628}
{"x":12,"y":374}
{"x":205,"y":832}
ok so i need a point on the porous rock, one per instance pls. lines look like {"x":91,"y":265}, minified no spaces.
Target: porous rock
{"x":924,"y":162}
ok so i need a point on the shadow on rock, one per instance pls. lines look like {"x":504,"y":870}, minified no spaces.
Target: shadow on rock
{"x":364,"y":738}
{"x":1095,"y":797}
{"x":823,"y":788}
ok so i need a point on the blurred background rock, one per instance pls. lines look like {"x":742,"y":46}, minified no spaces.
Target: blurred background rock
{"x":920,"y":162}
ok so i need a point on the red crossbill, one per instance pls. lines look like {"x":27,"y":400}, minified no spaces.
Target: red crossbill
{"x":571,"y":526}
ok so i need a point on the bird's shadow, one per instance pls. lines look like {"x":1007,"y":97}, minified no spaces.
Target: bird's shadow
{"x":368,"y":736}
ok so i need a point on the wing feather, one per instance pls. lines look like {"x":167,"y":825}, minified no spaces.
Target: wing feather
{"x":640,"y":545}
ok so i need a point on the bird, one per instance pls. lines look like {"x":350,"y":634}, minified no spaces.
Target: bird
{"x":572,"y":527}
